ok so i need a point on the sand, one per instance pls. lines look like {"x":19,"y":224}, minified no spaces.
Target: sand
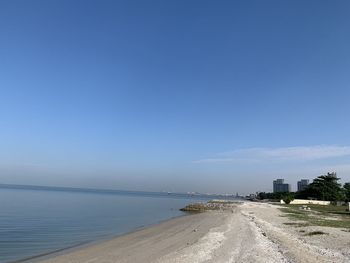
{"x":250,"y":232}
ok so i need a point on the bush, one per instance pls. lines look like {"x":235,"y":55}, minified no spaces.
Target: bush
{"x":288,"y":198}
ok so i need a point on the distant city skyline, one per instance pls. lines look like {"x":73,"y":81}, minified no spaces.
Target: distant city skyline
{"x":178,"y":96}
{"x":302,"y":184}
{"x":280,"y":186}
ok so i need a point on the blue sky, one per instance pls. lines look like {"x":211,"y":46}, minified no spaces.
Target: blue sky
{"x":203,"y":96}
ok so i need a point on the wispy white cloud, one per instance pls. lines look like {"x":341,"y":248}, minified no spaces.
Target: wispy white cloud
{"x":299,"y":153}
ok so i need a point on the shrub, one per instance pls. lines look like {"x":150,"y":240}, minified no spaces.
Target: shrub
{"x":288,"y":198}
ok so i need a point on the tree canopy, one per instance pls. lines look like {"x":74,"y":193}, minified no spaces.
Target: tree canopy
{"x":347,"y":192}
{"x":324,"y":187}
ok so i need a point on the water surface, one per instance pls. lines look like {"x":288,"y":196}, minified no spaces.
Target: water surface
{"x":34,"y":222}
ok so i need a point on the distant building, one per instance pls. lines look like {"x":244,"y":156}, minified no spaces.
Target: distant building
{"x":334,"y":174}
{"x":252,"y":196}
{"x":279,"y":186}
{"x":302,"y":184}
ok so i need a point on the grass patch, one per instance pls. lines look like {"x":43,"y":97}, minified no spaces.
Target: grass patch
{"x":328,"y":216}
{"x":295,"y":214}
{"x":328,"y":209}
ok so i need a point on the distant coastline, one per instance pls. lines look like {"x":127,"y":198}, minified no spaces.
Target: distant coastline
{"x":113,"y":191}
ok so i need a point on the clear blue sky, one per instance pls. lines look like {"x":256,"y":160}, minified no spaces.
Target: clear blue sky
{"x":211,"y":96}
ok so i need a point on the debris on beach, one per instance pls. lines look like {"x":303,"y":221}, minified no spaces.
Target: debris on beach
{"x":304,"y":207}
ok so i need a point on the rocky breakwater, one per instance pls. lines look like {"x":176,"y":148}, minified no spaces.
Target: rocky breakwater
{"x":220,"y":205}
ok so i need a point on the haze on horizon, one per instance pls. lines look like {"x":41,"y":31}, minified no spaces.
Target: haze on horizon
{"x":174,"y":95}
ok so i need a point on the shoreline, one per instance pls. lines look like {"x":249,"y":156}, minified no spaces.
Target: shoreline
{"x":85,"y":244}
{"x":245,"y":232}
{"x":193,"y":226}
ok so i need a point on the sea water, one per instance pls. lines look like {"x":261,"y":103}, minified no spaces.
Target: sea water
{"x":36,"y":222}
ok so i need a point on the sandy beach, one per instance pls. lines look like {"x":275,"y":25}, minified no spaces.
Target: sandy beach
{"x":249,"y":232}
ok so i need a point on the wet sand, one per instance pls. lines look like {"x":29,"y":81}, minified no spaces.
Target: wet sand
{"x":250,"y":232}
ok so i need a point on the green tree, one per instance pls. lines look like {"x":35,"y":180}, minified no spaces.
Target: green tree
{"x":273,"y":196}
{"x":288,"y":197}
{"x":347,"y":192}
{"x":324,"y":187}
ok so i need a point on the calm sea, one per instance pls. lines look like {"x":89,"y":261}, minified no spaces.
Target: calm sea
{"x":34,"y":222}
